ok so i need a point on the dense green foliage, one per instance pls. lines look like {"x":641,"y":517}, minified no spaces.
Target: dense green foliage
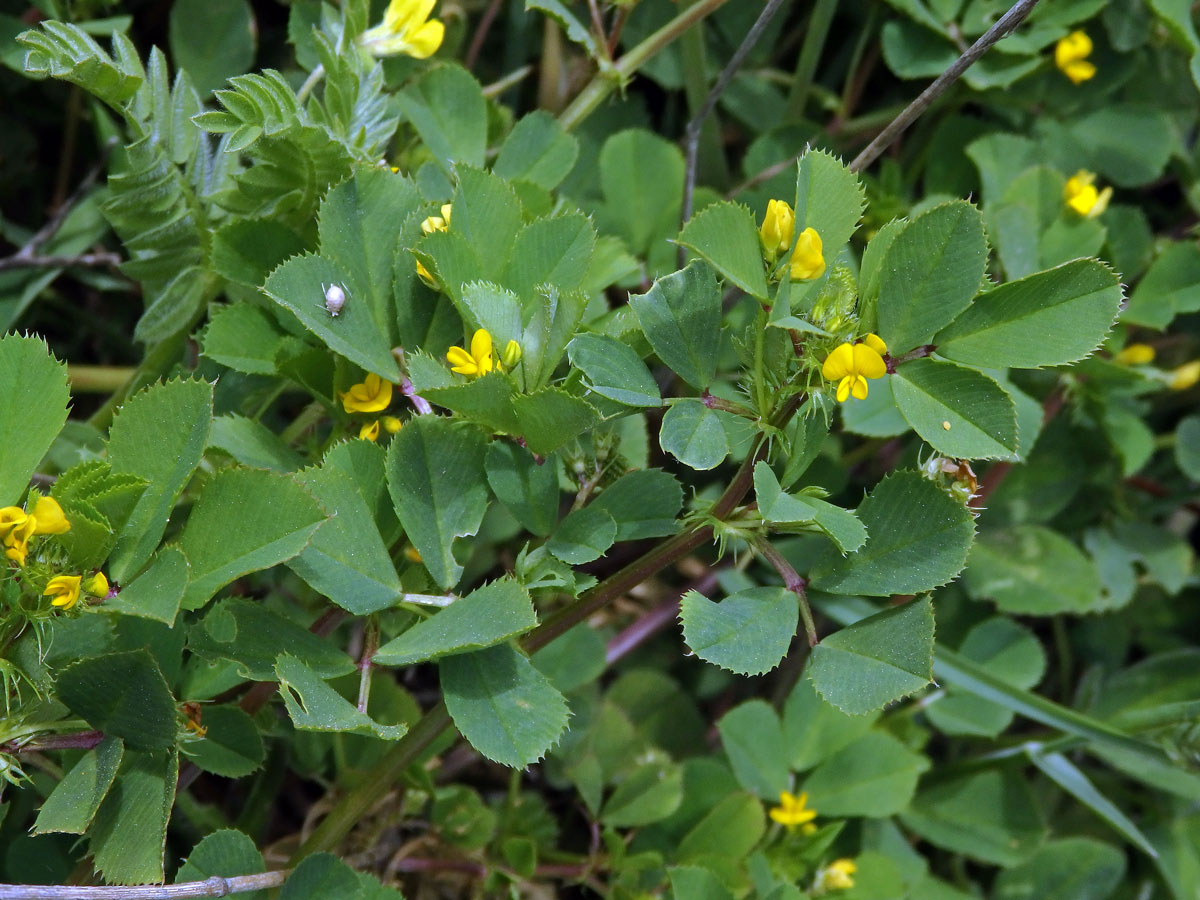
{"x":397,"y":487}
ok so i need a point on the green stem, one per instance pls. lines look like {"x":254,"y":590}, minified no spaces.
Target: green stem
{"x":792,"y":581}
{"x":313,"y":79}
{"x":607,"y":80}
{"x":98,"y":379}
{"x":760,"y":385}
{"x":810,"y":55}
{"x":157,"y":363}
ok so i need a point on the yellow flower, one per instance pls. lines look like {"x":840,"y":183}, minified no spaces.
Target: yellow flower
{"x":852,"y":364}
{"x":64,"y":589}
{"x":10,"y":518}
{"x":792,"y":810}
{"x":1070,"y":55}
{"x":777,"y":227}
{"x":1080,"y":195}
{"x":412,"y":554}
{"x":437,"y":223}
{"x":370,"y":431}
{"x":807,"y":261}
{"x":371,"y":395}
{"x":835,"y":877}
{"x":406,"y":29}
{"x":391,"y":424}
{"x":50,"y":518}
{"x":1185,"y":376}
{"x":97,"y":585}
{"x":511,"y":355}
{"x":16,"y":542}
{"x":1136,"y":355}
{"x":478,"y":361}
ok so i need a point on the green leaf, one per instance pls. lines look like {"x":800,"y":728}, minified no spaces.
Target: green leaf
{"x":697,"y":883}
{"x":33,"y":404}
{"x":446,"y":107}
{"x":299,"y":286}
{"x":527,"y":488}
{"x":959,"y":412}
{"x":253,"y":636}
{"x":748,"y":632}
{"x":505,"y":708}
{"x":930,"y":271}
{"x":436,"y":478}
{"x":877,"y":660}
{"x":829,"y":198}
{"x":314,"y":706}
{"x":554,"y":251}
{"x":537,"y":150}
{"x":231,"y":746}
{"x":157,"y":592}
{"x":550,"y":417}
{"x":1032,"y":570}
{"x":159,"y":435}
{"x":1169,"y":288}
{"x":875,"y":776}
{"x":59,"y":50}
{"x":644,"y":504}
{"x":614,"y":370}
{"x":245,"y":251}
{"x":1067,"y":869}
{"x":213,"y":40}
{"x":1048,"y":319}
{"x":917,"y":539}
{"x":487,"y":212}
{"x":1187,"y":447}
{"x":641,"y":175}
{"x":815,"y":730}
{"x":730,"y":830}
{"x":123,"y":695}
{"x":775,"y":506}
{"x":574,"y":29}
{"x":1068,"y":776}
{"x":347,"y":560}
{"x":681,"y":317}
{"x":693,"y":434}
{"x":726,"y":235}
{"x":990,"y":816}
{"x":487,"y":401}
{"x":753,"y":740}
{"x":245,"y":520}
{"x":322,"y":875}
{"x":244,"y":338}
{"x":582,"y":536}
{"x":650,"y":793}
{"x":225,"y":853}
{"x":252,"y":444}
{"x":486,"y":616}
{"x":130,"y":829}
{"x":74,"y":800}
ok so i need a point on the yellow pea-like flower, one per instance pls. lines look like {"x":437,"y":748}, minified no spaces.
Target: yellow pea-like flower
{"x":837,"y":876}
{"x":50,"y":517}
{"x":777,"y":228}
{"x":63,"y":590}
{"x":808,"y":262}
{"x":406,"y":30}
{"x":97,"y":585}
{"x":370,"y":395}
{"x":478,"y":361}
{"x":792,"y":810}
{"x":1185,"y":376}
{"x":1070,"y":55}
{"x":1081,"y":195}
{"x":1136,"y":355}
{"x":850,"y":365}
{"x":370,"y":431}
{"x":16,"y":542}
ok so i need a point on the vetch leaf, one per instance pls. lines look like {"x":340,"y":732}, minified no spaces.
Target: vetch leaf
{"x":641,"y":175}
{"x":583,"y":535}
{"x":130,"y":828}
{"x":552,"y":251}
{"x":436,"y":478}
{"x":245,"y":520}
{"x":753,"y":740}
{"x":505,"y":708}
{"x":650,"y":793}
{"x":930,"y":271}
{"x":527,"y":488}
{"x":315,"y":706}
{"x":614,"y":370}
{"x":213,"y":41}
{"x":486,"y":616}
{"x":693,"y":434}
{"x":550,"y":417}
{"x":748,"y":632}
{"x":643,"y":503}
{"x":33,"y":404}
{"x":538,"y":150}
{"x":1073,"y":868}
{"x":815,"y":730}
{"x":74,"y":800}
{"x":158,"y":591}
{"x":959,"y":412}
{"x":918,"y":538}
{"x":447,"y":108}
{"x":877,"y":660}
{"x":1170,"y":287}
{"x":842,"y":526}
{"x":726,"y":235}
{"x":231,"y":747}
{"x":681,"y":317}
{"x":1048,"y":319}
{"x":226,"y":853}
{"x":1032,"y":570}
{"x":124,"y":695}
{"x":829,"y":199}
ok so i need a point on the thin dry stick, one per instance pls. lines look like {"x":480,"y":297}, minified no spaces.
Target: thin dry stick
{"x":48,"y":230}
{"x":209,"y":887}
{"x":692,"y":132}
{"x":1003,"y":27}
{"x":90,"y":260}
{"x":481,"y":33}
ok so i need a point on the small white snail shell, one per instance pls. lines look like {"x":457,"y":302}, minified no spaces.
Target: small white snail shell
{"x":335,"y":298}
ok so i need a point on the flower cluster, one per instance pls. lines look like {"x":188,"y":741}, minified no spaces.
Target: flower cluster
{"x":406,"y":29}
{"x":1082,"y":197}
{"x":850,"y":365}
{"x":1181,"y":378}
{"x":1071,"y":56}
{"x":429,"y":226}
{"x":837,"y":876}
{"x":373,"y":394}
{"x":481,"y":358}
{"x":17,"y":526}
{"x":776,"y":233}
